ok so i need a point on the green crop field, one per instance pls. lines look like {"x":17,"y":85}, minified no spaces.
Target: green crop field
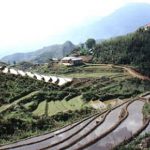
{"x":6,"y":106}
{"x":54,"y":107}
{"x":40,"y":109}
{"x":86,"y":71}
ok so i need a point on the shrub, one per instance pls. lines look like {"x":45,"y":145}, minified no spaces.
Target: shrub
{"x":89,"y":96}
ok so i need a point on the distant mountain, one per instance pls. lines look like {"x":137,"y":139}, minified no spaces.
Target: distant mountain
{"x":3,"y":64}
{"x":42,"y":55}
{"x":124,"y":20}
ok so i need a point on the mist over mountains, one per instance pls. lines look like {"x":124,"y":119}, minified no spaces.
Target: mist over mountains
{"x":124,"y":20}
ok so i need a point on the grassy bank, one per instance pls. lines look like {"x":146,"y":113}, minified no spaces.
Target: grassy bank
{"x":21,"y":125}
{"x":146,"y":110}
{"x":140,"y":143}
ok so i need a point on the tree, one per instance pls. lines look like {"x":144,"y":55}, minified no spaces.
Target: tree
{"x":14,"y":62}
{"x":50,"y":63}
{"x":90,"y":43}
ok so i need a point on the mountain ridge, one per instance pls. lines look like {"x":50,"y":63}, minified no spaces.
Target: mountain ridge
{"x":57,"y":50}
{"x":124,"y":20}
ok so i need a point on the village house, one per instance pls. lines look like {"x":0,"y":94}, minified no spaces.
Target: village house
{"x":72,"y":61}
{"x":147,"y":26}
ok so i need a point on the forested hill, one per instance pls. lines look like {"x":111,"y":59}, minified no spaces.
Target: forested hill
{"x":132,"y":49}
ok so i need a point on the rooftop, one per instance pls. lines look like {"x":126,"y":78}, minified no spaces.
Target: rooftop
{"x":147,"y":25}
{"x":72,"y":58}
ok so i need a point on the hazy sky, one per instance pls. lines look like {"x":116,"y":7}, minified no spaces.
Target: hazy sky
{"x":27,"y":25}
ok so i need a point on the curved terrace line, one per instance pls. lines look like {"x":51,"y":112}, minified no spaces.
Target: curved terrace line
{"x":52,"y":145}
{"x":49,"y":137}
{"x":108,"y":131}
{"x":53,"y":79}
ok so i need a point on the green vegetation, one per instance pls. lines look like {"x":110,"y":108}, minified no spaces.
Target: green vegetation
{"x":24,"y":65}
{"x":84,"y":71}
{"x":54,"y":107}
{"x":5,"y":107}
{"x":30,"y":107}
{"x":90,"y":43}
{"x":146,"y":110}
{"x":140,"y":143}
{"x":132,"y":49}
{"x":28,"y":102}
{"x":110,"y":88}
{"x":40,"y":110}
{"x":13,"y":88}
{"x":22,"y":124}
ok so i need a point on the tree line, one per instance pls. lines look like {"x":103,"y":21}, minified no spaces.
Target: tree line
{"x":132,"y":49}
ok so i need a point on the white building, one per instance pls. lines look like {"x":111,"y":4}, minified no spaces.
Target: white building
{"x":70,"y":61}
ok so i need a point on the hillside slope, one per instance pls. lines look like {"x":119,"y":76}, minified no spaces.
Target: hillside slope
{"x":29,"y":107}
{"x":132,"y":49}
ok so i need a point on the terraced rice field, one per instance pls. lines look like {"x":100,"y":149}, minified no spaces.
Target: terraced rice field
{"x":60,"y":106}
{"x":40,"y":109}
{"x":53,"y":107}
{"x":102,"y":131}
{"x":8,"y":106}
{"x":124,"y":130}
{"x":115,"y":125}
{"x":93,"y":72}
{"x":53,"y":79}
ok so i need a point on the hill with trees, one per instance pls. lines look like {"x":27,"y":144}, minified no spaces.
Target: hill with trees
{"x":132,"y":49}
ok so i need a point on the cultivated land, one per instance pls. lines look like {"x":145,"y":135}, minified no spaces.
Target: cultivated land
{"x":94,"y":132}
{"x":92,"y":106}
{"x":84,"y":71}
{"x":31,"y":107}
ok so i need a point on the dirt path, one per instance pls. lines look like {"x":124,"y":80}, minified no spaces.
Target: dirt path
{"x":131,"y":71}
{"x":136,"y":74}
